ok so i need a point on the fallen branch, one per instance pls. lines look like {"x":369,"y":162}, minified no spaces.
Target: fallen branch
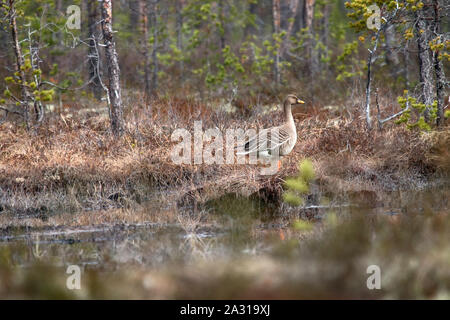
{"x":395,"y":115}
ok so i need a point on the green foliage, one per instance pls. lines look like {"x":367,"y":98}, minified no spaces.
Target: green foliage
{"x":359,"y":14}
{"x":359,"y":11}
{"x":229,"y":71}
{"x":441,"y":48}
{"x":447,"y":114}
{"x":302,"y":225}
{"x":292,"y":198}
{"x":298,"y":187}
{"x":219,"y":65}
{"x":261,"y":60}
{"x":306,"y":170}
{"x":418,"y":108}
{"x":222,"y":45}
{"x":347,"y":63}
{"x":32,"y":35}
{"x":31,"y":81}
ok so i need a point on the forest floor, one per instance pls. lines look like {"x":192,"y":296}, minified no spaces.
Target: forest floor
{"x":72,"y":163}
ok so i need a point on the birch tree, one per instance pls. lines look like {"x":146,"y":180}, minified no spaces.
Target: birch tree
{"x":114,"y":91}
{"x":20,"y":62}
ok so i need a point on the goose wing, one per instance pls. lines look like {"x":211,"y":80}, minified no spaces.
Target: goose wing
{"x":267,"y":140}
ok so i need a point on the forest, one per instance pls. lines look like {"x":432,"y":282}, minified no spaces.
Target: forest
{"x":115,"y":157}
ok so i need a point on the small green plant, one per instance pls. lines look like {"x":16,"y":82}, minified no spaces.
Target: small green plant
{"x":296,"y":190}
{"x":302,"y":225}
{"x":447,"y":114}
{"x":298,"y":187}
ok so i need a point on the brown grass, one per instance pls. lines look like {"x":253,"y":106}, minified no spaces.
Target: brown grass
{"x":72,"y":162}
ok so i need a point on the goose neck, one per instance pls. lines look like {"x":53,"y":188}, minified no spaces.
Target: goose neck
{"x":288,"y":112}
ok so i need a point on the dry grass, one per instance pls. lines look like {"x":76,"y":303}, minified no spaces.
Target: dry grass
{"x":72,"y":162}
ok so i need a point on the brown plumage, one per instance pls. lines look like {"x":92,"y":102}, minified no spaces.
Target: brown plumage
{"x":279,"y":140}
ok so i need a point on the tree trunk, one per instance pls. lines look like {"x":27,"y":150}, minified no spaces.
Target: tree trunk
{"x":295,"y":4}
{"x":115,"y":96}
{"x":425,"y":64}
{"x":19,"y":61}
{"x":276,"y":30}
{"x":154,"y":82}
{"x":300,"y":18}
{"x":93,"y":58}
{"x":179,"y":27}
{"x":222,"y":33}
{"x":312,"y":52}
{"x":4,"y":37}
{"x":309,"y":13}
{"x":145,"y":47}
{"x":369,"y":78}
{"x":368,"y":90}
{"x":61,"y":12}
{"x":292,"y":17}
{"x":438,"y":67}
{"x":325,"y":32}
{"x":135,"y":14}
{"x":250,"y":28}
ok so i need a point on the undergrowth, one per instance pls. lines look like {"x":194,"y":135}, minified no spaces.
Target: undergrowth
{"x":72,"y":162}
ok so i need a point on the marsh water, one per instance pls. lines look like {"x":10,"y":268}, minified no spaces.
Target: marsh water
{"x":228,"y":227}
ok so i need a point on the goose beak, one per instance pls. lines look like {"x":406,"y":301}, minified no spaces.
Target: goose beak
{"x":300,"y":101}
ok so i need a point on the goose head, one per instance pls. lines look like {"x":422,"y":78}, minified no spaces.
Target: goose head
{"x":288,"y":102}
{"x":293,"y":100}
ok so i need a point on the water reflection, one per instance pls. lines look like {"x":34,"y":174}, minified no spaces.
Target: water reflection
{"x":231,"y":228}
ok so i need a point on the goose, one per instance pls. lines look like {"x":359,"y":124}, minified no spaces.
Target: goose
{"x":275,"y":141}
